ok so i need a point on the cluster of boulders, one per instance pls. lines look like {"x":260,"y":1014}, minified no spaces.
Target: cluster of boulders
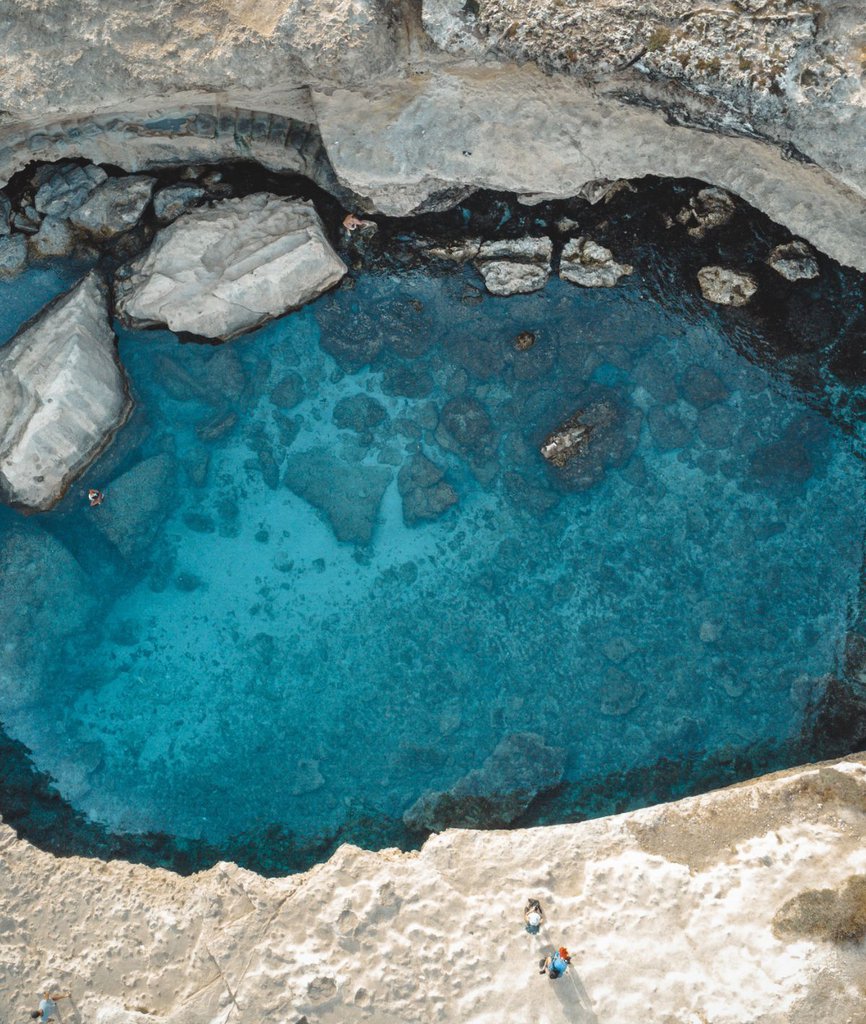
{"x":215,"y":271}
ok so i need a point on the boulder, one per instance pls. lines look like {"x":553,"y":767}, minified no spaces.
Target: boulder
{"x":590,"y":265}
{"x":222,"y":271}
{"x":114,"y":207}
{"x":710,"y":208}
{"x":358,"y":412}
{"x":348,"y":494}
{"x":13,"y":255}
{"x":169,"y":203}
{"x":521,"y":767}
{"x":726,"y":287}
{"x":136,"y":504}
{"x":52,"y":239}
{"x":795,"y":261}
{"x":424,"y":493}
{"x":63,"y":396}
{"x":63,"y":188}
{"x":515,"y":266}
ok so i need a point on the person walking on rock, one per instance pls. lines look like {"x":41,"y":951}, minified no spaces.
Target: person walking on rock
{"x":48,"y":1007}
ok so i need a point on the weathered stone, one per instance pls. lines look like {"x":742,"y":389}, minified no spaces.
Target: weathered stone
{"x":726,"y":287}
{"x":222,"y":271}
{"x":521,"y":767}
{"x":358,"y":412}
{"x":424,"y":492}
{"x":795,"y":261}
{"x":515,"y":266}
{"x":710,"y":208}
{"x":348,"y":494}
{"x":62,"y":189}
{"x":5,"y":214}
{"x":52,"y":239}
{"x":13,"y":255}
{"x":456,"y":252}
{"x":568,"y":441}
{"x":524,"y":341}
{"x":115,"y":206}
{"x":169,"y":203}
{"x":63,"y":395}
{"x":528,"y":249}
{"x":591,"y":265}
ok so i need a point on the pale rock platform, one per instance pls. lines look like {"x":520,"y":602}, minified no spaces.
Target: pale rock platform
{"x":687,"y":913}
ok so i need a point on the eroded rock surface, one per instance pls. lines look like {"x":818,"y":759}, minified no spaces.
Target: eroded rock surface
{"x":590,"y":265}
{"x":726,"y":287}
{"x":63,"y":394}
{"x":795,"y":261}
{"x":222,"y":271}
{"x":114,"y":206}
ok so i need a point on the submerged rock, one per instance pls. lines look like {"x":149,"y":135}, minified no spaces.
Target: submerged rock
{"x":114,"y":207}
{"x":515,"y":267}
{"x":590,"y":265}
{"x":521,"y":767}
{"x":63,"y":395}
{"x":13,"y":255}
{"x":425,"y":493}
{"x":222,"y":271}
{"x":795,"y":261}
{"x":53,"y":238}
{"x":349,"y":494}
{"x":726,"y":287}
{"x":358,"y":412}
{"x":136,"y":504}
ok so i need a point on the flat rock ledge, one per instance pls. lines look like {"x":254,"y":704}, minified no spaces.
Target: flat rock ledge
{"x":63,"y":395}
{"x":223,"y":271}
{"x":729,"y":907}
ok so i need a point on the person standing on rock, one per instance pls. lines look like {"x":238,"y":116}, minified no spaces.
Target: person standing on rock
{"x":533,"y":915}
{"x":48,"y":1007}
{"x":556,"y":964}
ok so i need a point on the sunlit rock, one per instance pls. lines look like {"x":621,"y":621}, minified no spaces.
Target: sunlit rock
{"x":63,"y":394}
{"x":795,"y":261}
{"x":710,"y":208}
{"x":521,"y":767}
{"x":114,"y":207}
{"x":726,"y":287}
{"x":222,"y":271}
{"x":515,"y":267}
{"x":591,"y":265}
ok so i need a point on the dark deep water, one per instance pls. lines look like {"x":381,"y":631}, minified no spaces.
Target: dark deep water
{"x":246,"y":653}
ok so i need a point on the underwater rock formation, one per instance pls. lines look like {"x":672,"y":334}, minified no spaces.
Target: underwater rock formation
{"x":222,"y":271}
{"x":425,"y":494}
{"x":63,"y":395}
{"x":521,"y":767}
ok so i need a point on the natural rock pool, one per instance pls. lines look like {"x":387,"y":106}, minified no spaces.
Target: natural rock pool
{"x":333,"y":573}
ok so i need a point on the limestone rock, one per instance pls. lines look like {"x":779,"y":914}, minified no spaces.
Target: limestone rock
{"x":63,"y":395}
{"x":5,"y":214}
{"x":795,"y":261}
{"x":425,"y":494}
{"x":456,"y":252}
{"x":114,"y":207}
{"x":169,"y":203}
{"x":52,"y":239}
{"x":222,"y":271}
{"x":591,"y":265}
{"x":521,"y":767}
{"x":567,"y":442}
{"x":13,"y":255}
{"x":63,"y":188}
{"x":726,"y":287}
{"x":348,"y":494}
{"x":710,"y":208}
{"x":515,"y":267}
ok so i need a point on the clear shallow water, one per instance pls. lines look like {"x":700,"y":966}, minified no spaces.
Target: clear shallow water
{"x":201,"y":656}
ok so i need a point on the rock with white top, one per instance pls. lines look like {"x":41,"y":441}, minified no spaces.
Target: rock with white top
{"x":590,"y":265}
{"x":726,"y":287}
{"x":63,"y":396}
{"x":515,"y":266}
{"x":114,"y":207}
{"x":795,"y":261}
{"x":223,"y":271}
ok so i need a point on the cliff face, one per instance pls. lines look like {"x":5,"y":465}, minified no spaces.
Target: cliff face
{"x":742,"y":905}
{"x":414,"y":107}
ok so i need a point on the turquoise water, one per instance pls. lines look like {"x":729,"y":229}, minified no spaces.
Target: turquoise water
{"x":202,"y":656}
